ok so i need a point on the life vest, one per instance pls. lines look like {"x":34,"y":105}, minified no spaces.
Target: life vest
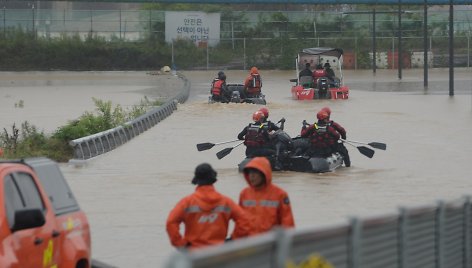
{"x":321,"y":137}
{"x":255,"y":84}
{"x":255,"y":135}
{"x":256,"y":81}
{"x":216,"y":89}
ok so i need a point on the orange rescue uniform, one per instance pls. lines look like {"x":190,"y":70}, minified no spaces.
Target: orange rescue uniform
{"x":206,"y":214}
{"x":268,"y":206}
{"x":253,"y":82}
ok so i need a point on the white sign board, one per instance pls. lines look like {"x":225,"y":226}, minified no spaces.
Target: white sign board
{"x":203,"y":28}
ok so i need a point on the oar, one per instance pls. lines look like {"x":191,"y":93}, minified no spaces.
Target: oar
{"x":377,"y":145}
{"x":281,"y":125}
{"x":209,"y":145}
{"x":362,"y":149}
{"x":226,"y":151}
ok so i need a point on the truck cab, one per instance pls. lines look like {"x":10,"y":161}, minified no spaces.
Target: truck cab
{"x":41,"y":223}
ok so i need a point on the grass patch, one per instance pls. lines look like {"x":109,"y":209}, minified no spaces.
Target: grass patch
{"x":27,"y":141}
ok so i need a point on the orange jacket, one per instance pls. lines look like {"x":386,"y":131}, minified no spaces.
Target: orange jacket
{"x":268,"y":206}
{"x":248,"y":82}
{"x":206,"y":214}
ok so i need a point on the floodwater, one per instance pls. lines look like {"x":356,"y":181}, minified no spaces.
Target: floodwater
{"x":128,"y":193}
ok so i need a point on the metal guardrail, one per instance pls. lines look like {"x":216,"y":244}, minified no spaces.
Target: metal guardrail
{"x":429,"y":236}
{"x":105,"y":141}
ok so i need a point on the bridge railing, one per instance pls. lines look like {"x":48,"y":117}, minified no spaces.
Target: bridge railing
{"x":100,"y":143}
{"x":426,"y":236}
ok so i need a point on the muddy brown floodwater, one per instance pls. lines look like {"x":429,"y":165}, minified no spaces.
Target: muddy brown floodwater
{"x":128,"y":193}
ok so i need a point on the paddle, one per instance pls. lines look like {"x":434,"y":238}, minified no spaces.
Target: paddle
{"x":377,"y":145}
{"x":362,"y":149}
{"x":209,"y":145}
{"x":281,"y":125}
{"x":226,"y":151}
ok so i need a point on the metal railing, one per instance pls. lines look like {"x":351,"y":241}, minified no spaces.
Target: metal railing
{"x":105,"y":141}
{"x":428,"y":236}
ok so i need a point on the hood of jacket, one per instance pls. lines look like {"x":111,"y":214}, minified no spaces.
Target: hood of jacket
{"x":263,"y":165}
{"x":207,"y":197}
{"x":254,"y":70}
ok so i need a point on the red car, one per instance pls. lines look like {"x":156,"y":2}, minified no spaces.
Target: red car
{"x":323,"y":83}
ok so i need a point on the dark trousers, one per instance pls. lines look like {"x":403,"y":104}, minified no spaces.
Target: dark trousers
{"x":219,"y":98}
{"x":246,"y":94}
{"x":343,"y":151}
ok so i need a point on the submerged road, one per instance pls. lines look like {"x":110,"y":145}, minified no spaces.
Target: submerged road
{"x":128,"y":193}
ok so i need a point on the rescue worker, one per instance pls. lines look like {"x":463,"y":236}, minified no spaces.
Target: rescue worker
{"x":280,"y":140}
{"x":271,"y":126}
{"x":342,"y":132}
{"x":317,"y":73}
{"x":323,"y":137}
{"x":205,"y":213}
{"x":266,"y":204}
{"x":306,"y":71}
{"x":305,"y":76}
{"x":253,"y":84}
{"x":256,"y":137}
{"x":219,"y":90}
{"x":329,"y":72}
{"x":218,"y":77}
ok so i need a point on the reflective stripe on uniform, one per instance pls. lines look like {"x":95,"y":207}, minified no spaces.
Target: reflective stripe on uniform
{"x":269,"y":203}
{"x":249,"y":203}
{"x":193,"y":209}
{"x":262,"y":203}
{"x":197,"y":209}
{"x":222,"y":209}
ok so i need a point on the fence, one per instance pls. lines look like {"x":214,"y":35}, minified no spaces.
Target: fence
{"x":138,"y":24}
{"x":429,"y":236}
{"x":268,"y":39}
{"x":100,"y":143}
{"x":269,"y":53}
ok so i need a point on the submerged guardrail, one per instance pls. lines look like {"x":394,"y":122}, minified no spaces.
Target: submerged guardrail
{"x":428,"y":236}
{"x":105,"y":141}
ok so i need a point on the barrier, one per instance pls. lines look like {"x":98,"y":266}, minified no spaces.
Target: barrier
{"x":427,"y":236}
{"x":100,"y":143}
{"x":257,"y":252}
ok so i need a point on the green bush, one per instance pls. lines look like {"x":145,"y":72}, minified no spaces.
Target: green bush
{"x":29,"y":142}
{"x":21,"y":51}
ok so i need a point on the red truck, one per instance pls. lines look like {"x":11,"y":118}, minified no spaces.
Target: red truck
{"x":41,"y":223}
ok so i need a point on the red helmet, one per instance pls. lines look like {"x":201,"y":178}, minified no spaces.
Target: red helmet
{"x":257,"y":116}
{"x":327,"y":110}
{"x":322,"y":115}
{"x":265,"y":111}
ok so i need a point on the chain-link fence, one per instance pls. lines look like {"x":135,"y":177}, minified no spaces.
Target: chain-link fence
{"x":242,"y":53}
{"x":269,"y":39}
